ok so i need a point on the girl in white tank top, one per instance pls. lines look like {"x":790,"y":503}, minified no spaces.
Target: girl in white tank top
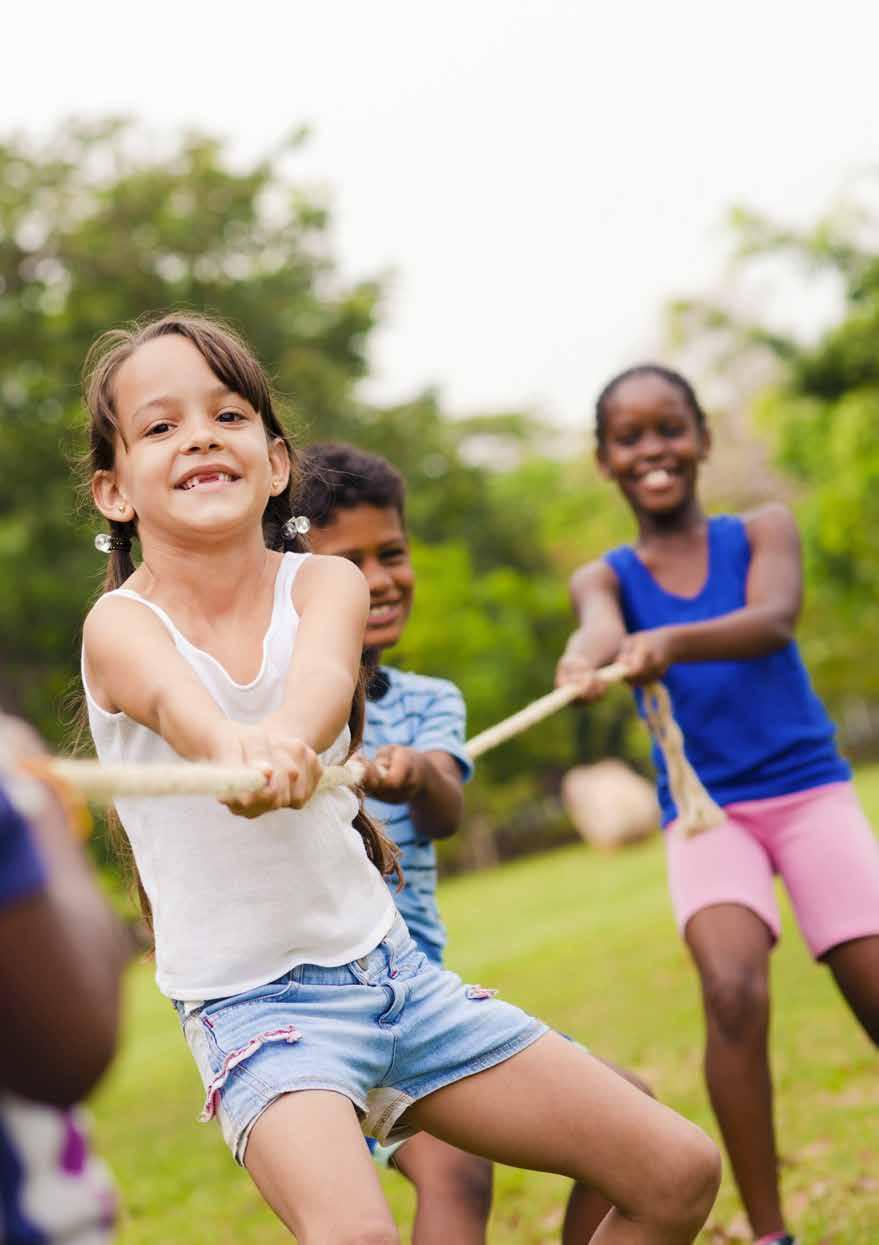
{"x":306,"y":893}
{"x":305,"y":1003}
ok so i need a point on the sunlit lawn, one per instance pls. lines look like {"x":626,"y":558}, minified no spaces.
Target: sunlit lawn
{"x":587,"y":942}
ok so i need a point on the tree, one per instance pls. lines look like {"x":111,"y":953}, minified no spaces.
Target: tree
{"x":94,"y":232}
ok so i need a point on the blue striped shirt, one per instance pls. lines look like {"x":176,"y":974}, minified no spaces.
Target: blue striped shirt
{"x":429,"y":715}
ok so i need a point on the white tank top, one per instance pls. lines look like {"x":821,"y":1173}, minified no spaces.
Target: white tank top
{"x":236,"y":903}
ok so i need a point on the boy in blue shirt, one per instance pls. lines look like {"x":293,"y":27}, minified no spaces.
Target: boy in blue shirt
{"x":414,"y":738}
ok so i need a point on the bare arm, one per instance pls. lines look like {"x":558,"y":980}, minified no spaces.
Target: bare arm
{"x":430,"y":782}
{"x":132,"y":667}
{"x":763,"y":625}
{"x":61,"y":957}
{"x":332,"y":600}
{"x":601,"y":631}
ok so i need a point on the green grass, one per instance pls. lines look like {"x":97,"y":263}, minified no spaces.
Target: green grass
{"x":587,"y":942}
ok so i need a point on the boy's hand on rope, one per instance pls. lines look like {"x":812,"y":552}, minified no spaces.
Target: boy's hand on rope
{"x":292,"y":769}
{"x":647,"y":654}
{"x":580,"y":672}
{"x":395,"y":774}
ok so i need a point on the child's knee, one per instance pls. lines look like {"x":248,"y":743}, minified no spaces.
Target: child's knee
{"x":461,"y":1177}
{"x":736,"y":1001}
{"x":699,"y":1178}
{"x":686,"y":1183}
{"x":472,"y":1182}
{"x":369,"y":1234}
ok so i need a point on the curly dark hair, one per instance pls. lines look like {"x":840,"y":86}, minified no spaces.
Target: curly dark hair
{"x":335,"y":476}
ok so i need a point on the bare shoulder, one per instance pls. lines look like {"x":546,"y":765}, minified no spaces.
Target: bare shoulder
{"x":323,"y":574}
{"x":123,"y":642}
{"x":119,"y":622}
{"x":593,"y":579}
{"x":772,"y":526}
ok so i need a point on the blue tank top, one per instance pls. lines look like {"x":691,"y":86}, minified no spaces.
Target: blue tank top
{"x":753,"y":728}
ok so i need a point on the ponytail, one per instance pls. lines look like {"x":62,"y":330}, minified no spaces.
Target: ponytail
{"x":279,"y":534}
{"x":120,"y":564}
{"x":381,"y":850}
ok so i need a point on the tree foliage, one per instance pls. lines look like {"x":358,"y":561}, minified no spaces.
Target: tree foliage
{"x":822,"y":413}
{"x":95,"y":231}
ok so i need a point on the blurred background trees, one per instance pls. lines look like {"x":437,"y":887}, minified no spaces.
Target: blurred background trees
{"x":97,"y":228}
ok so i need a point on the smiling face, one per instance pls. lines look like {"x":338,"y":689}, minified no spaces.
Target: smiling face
{"x":192,"y":457}
{"x":372,"y":537}
{"x":652,"y":445}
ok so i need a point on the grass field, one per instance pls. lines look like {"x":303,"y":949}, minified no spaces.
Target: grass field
{"x":585,"y":941}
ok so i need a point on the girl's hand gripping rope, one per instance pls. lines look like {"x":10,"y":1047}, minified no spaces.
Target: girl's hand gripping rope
{"x":647,"y":655}
{"x":592,"y":683}
{"x":292,"y":769}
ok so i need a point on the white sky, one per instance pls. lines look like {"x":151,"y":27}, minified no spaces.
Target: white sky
{"x":541,"y":177}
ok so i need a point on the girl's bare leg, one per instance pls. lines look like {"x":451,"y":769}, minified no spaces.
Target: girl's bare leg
{"x":553,"y":1107}
{"x":307,"y":1158}
{"x":855,"y":966}
{"x":453,"y":1191}
{"x":586,"y":1208}
{"x":730,"y":945}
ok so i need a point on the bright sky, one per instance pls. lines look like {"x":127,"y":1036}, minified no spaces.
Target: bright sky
{"x":540,"y":177}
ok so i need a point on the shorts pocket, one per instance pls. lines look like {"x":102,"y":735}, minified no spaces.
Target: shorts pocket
{"x":272,"y":992}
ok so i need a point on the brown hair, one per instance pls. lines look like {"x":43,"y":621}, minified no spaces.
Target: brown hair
{"x":233,"y":363}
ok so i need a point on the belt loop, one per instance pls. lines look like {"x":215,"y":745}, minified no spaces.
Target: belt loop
{"x":391,"y":953}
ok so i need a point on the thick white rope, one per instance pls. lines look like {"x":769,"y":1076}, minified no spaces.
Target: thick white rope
{"x":536,"y":712}
{"x":103,"y":783}
{"x":696,"y":809}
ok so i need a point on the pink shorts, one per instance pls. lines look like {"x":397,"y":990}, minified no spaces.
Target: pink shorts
{"x":818,"y":840}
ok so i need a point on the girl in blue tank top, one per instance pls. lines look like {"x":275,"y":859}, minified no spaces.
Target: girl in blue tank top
{"x":709,"y":605}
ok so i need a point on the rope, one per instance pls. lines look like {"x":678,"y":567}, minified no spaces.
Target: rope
{"x":536,"y":712}
{"x":696,"y":809}
{"x":103,"y":783}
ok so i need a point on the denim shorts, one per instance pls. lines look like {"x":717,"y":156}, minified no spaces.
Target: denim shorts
{"x":385,"y":1030}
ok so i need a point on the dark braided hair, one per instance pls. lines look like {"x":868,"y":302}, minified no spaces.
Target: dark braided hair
{"x":336,"y":476}
{"x":667,"y":374}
